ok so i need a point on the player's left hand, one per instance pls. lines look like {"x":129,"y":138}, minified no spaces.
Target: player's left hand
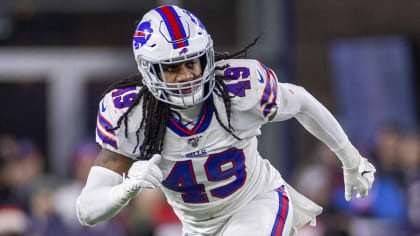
{"x":359,"y":178}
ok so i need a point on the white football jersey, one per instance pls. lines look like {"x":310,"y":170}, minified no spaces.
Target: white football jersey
{"x":207,"y":173}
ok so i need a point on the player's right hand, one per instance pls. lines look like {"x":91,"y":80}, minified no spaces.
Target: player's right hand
{"x":143,"y":174}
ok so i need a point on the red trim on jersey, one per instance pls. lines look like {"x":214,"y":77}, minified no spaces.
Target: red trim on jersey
{"x":282,"y":218}
{"x":197,"y":126}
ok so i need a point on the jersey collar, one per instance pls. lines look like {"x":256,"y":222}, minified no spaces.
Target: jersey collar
{"x":202,"y":124}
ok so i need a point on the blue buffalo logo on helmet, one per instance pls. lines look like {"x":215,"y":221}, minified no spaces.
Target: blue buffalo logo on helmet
{"x":142,"y":34}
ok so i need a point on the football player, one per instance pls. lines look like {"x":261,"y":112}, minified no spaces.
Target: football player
{"x":188,"y":123}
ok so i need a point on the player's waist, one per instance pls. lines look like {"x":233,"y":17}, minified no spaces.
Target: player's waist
{"x":219,"y":208}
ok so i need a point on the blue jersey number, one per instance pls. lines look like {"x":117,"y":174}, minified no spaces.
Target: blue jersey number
{"x":239,"y":88}
{"x":218,"y":167}
{"x":124,"y":97}
{"x":235,"y":73}
{"x":182,"y":179}
{"x":223,"y":166}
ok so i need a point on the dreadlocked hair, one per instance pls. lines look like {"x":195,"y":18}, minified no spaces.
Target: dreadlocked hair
{"x":243,"y":53}
{"x":156,"y":113}
{"x":155,"y":117}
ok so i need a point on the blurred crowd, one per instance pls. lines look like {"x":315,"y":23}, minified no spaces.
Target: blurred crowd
{"x":34,"y":202}
{"x":393,"y":204}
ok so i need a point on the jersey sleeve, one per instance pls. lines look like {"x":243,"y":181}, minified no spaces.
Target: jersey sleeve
{"x":268,"y":90}
{"x":295,"y":102}
{"x":111,"y":108}
{"x":254,"y":88}
{"x":260,"y":98}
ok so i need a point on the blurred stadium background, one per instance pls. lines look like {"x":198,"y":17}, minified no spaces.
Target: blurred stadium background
{"x":360,"y":58}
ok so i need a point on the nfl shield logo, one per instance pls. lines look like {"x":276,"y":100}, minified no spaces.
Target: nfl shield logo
{"x":194,"y":141}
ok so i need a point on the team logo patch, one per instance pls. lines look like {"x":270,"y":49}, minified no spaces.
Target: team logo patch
{"x":142,"y":34}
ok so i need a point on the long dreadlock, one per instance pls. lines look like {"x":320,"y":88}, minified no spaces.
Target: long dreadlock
{"x":156,"y":113}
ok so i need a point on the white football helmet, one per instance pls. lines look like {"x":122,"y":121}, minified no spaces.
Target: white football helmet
{"x":169,"y":35}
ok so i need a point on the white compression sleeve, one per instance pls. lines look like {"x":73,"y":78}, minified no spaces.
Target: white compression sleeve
{"x":98,"y":200}
{"x":311,"y":114}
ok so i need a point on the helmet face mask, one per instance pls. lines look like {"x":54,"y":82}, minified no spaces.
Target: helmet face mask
{"x":171,"y":35}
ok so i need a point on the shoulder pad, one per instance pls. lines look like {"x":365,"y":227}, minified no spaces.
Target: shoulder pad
{"x":253,"y":85}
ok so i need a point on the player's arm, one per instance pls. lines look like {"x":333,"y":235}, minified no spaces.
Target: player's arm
{"x":113,"y":161}
{"x":107,"y":190}
{"x":295,"y":101}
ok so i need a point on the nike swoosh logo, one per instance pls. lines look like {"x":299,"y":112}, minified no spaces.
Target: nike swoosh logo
{"x":103,"y":107}
{"x":260,"y":79}
{"x":365,"y":172}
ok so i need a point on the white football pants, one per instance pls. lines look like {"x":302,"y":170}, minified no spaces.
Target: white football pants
{"x":269,"y":214}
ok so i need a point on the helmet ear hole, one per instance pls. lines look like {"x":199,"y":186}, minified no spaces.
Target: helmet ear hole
{"x":156,"y":71}
{"x":203,"y":62}
{"x":156,"y":67}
